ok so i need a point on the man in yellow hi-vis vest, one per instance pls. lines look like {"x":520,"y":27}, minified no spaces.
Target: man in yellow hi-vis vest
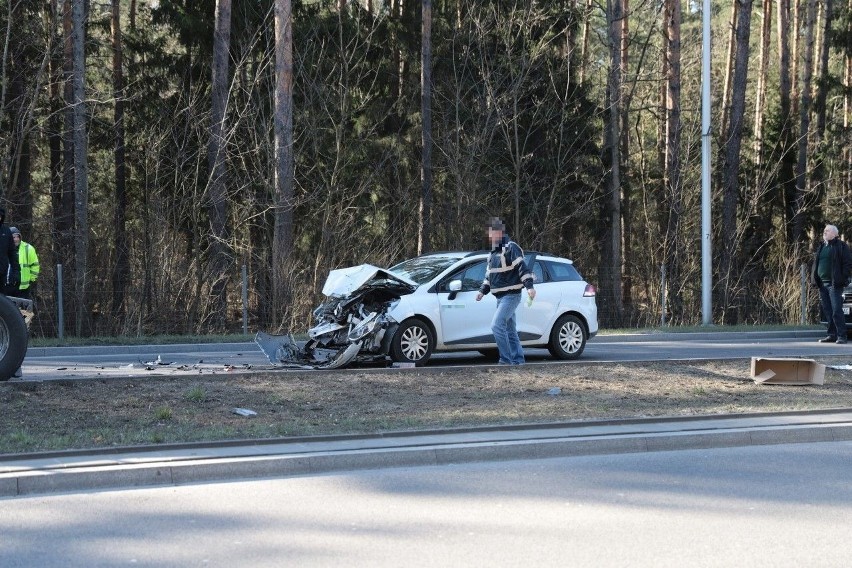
{"x":28,"y":259}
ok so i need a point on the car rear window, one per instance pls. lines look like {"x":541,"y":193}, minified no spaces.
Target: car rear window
{"x":562,"y":271}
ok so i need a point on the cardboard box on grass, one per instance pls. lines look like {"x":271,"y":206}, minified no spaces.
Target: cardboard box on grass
{"x":787,"y":371}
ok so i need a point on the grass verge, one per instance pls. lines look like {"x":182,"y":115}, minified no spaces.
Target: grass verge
{"x":85,"y":414}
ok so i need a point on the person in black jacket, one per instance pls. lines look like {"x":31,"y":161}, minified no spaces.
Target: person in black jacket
{"x":507,"y":274}
{"x":830,"y":273}
{"x":9,"y":267}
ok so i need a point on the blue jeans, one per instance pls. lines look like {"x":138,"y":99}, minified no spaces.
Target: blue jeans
{"x":505,"y":331}
{"x":831,"y":301}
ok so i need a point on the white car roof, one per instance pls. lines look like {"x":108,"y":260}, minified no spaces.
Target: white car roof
{"x":475,"y":254}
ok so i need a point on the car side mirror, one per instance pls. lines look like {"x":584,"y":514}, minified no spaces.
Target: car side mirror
{"x":454,"y":287}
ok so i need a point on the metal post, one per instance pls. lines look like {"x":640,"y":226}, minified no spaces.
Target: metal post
{"x":663,"y":296}
{"x":706,"y":230}
{"x":60,"y":311}
{"x":804,"y":281}
{"x":245,"y":300}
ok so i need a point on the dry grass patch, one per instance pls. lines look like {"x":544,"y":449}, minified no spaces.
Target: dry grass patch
{"x":119,"y":412}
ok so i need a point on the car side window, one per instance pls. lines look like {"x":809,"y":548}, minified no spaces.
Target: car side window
{"x":538,"y":273}
{"x":563,"y":272}
{"x":471,"y":277}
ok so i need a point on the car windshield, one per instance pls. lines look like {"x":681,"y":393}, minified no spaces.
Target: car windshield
{"x":423,"y":268}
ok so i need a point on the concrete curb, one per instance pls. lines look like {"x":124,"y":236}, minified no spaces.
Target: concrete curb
{"x":177,"y":348}
{"x":197,"y":464}
{"x":710,"y":335}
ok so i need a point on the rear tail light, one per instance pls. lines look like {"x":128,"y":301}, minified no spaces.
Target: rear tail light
{"x":589,"y":292}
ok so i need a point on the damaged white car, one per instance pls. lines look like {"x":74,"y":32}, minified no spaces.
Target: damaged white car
{"x":427,"y":304}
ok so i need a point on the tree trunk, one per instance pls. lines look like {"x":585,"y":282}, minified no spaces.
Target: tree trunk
{"x":54,"y":137}
{"x":729,"y":71}
{"x":61,"y":153}
{"x":821,"y":95}
{"x":611,"y":259}
{"x":846,"y":159}
{"x":15,"y":108}
{"x":219,"y":258}
{"x":132,"y":15}
{"x":398,"y":52}
{"x":786,"y":179}
{"x":761,"y":210}
{"x":673,"y":187}
{"x":724,"y":133}
{"x":660,"y":142}
{"x":804,"y":126}
{"x":65,"y":224}
{"x":624,"y":46}
{"x":795,"y":35}
{"x":425,"y":218}
{"x":571,"y":46}
{"x":730,"y":173}
{"x":282,"y":243}
{"x":81,"y":164}
{"x":760,"y":94}
{"x":627,"y":280}
{"x":121,"y":270}
{"x":584,"y":49}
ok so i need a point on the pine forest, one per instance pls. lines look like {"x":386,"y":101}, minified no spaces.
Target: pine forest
{"x":181,"y":165}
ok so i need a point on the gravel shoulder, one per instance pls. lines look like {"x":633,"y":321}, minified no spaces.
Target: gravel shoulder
{"x":73,"y":414}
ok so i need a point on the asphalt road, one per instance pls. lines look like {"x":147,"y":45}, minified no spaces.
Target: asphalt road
{"x":167,"y":360}
{"x":600,"y":494}
{"x":782,"y":506}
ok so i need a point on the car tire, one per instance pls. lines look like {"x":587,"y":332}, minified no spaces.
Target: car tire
{"x":567,"y":338}
{"x":14,"y":338}
{"x":413,"y":343}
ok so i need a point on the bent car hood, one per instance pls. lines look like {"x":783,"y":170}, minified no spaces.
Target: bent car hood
{"x":343,"y":282}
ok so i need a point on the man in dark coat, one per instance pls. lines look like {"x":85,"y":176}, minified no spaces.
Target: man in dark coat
{"x":9,"y":267}
{"x":830,"y":273}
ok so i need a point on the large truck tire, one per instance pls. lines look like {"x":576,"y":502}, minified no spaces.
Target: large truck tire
{"x":14,"y":338}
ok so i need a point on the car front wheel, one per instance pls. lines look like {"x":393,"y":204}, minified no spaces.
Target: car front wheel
{"x":567,"y":338}
{"x":413,"y":343}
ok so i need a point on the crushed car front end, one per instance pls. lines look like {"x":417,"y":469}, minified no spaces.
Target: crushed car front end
{"x":351,"y":325}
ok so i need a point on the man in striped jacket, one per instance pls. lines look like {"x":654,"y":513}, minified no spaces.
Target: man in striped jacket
{"x":507,"y":274}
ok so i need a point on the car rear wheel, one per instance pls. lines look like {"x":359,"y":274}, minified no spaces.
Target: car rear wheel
{"x":567,"y":338}
{"x":413,"y":343}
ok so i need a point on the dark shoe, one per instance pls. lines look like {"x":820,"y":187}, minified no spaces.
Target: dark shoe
{"x":840,"y":340}
{"x":829,"y":339}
